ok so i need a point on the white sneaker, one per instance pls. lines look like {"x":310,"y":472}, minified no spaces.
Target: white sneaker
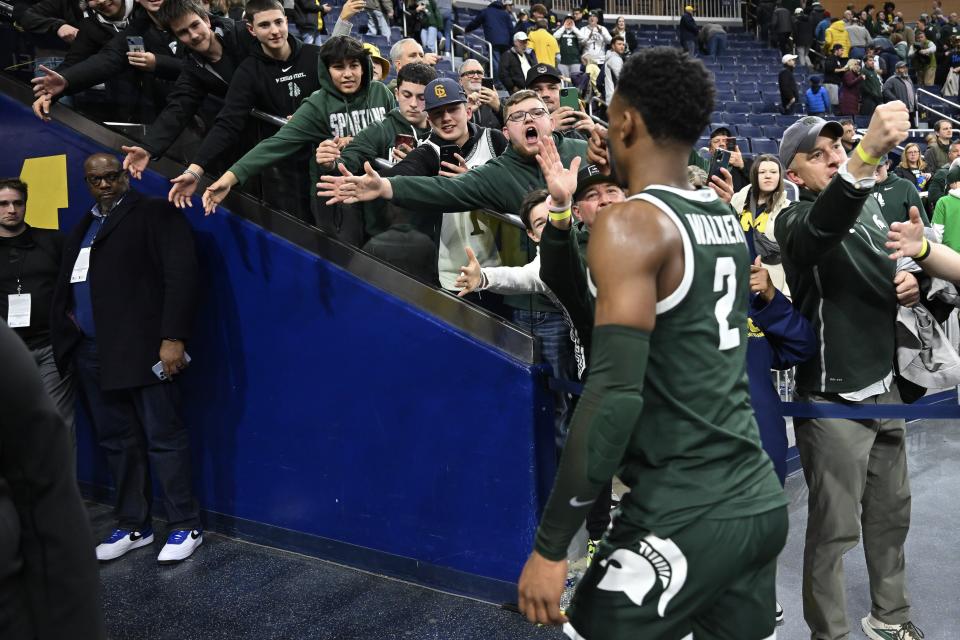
{"x":181,"y":544}
{"x":878,"y":630}
{"x":779,"y":615}
{"x":121,"y":541}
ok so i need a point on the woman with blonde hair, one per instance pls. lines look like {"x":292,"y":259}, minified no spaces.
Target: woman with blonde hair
{"x":912,"y":166}
{"x":851,"y":77}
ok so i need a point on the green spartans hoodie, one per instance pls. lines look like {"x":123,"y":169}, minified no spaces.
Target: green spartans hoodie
{"x":896,"y":196}
{"x":325,"y":114}
{"x":376,"y":141}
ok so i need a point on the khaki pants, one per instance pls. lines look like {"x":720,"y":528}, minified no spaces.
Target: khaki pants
{"x":856,"y":473}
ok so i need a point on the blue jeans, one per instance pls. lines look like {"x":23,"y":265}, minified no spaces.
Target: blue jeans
{"x":134,"y":426}
{"x":377,"y":23}
{"x":691,"y":47}
{"x":556,"y":349}
{"x":448,"y":30}
{"x":716,"y":45}
{"x":428,"y":38}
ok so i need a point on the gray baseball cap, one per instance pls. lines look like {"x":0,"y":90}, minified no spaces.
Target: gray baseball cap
{"x":801,"y":137}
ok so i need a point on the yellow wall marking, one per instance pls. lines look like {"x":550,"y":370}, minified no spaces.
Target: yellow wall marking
{"x":47,"y":179}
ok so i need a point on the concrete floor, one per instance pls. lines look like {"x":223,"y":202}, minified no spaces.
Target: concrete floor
{"x":235,"y":590}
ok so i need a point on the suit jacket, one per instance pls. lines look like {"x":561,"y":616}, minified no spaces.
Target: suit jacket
{"x":143,"y":287}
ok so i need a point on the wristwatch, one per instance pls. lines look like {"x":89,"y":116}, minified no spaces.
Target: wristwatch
{"x":863,"y":184}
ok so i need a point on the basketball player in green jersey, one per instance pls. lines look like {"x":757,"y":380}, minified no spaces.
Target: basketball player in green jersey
{"x":693,"y":547}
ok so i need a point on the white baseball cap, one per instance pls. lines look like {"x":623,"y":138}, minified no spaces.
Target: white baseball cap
{"x":788,"y":57}
{"x":519,"y":35}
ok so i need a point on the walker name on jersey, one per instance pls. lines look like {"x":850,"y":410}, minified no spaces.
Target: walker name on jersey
{"x":291,"y":77}
{"x":716,"y":229}
{"x":352,"y":123}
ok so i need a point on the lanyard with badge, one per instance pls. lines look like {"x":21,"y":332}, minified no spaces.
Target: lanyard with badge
{"x":18,"y":304}
{"x":82,"y":265}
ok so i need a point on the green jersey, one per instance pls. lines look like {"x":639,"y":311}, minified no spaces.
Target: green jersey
{"x":946,"y":219}
{"x":696,"y":452}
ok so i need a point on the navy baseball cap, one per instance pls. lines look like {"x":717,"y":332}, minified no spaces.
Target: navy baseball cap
{"x":542,"y":71}
{"x":441,"y":92}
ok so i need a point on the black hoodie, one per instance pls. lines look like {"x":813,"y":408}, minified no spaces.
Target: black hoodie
{"x":198,"y":79}
{"x":264,"y":83}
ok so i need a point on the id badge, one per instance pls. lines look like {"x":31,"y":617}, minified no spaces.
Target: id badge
{"x":18,"y":310}
{"x":81,"y":266}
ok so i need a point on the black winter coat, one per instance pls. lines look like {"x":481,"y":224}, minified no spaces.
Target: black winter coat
{"x":511,"y":74}
{"x":49,"y":579}
{"x":143,"y":280}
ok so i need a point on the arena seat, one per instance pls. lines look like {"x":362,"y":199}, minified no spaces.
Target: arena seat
{"x":763,"y":145}
{"x":761,"y":118}
{"x":749,"y":130}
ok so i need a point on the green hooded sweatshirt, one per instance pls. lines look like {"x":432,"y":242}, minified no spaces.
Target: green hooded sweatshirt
{"x":376,"y":141}
{"x":325,"y":114}
{"x":896,"y":196}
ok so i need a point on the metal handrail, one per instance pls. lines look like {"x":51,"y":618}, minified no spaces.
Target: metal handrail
{"x":268,"y":117}
{"x":403,"y":9}
{"x":938,"y":97}
{"x":488,"y":57}
{"x":942,"y":115}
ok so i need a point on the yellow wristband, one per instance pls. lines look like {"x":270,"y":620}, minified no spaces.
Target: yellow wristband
{"x":866,"y":157}
{"x":924,"y":250}
{"x":560,"y":216}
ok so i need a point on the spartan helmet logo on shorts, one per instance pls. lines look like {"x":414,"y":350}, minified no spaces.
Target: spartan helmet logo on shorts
{"x":440,"y":91}
{"x":635,"y":574}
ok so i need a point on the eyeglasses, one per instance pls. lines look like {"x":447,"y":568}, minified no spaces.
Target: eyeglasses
{"x":520,"y":116}
{"x":475,"y":72}
{"x":113,"y":176}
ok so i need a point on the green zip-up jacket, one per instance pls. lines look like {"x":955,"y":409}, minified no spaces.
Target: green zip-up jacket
{"x":325,"y":114}
{"x":500,"y":184}
{"x":896,"y":196}
{"x":841,"y":278}
{"x":376,"y":141}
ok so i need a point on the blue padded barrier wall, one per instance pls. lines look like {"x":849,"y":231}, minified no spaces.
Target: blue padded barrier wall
{"x":327,"y":416}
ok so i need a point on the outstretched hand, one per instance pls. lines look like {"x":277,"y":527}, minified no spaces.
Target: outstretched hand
{"x":906,"y":238}
{"x":561,"y":182}
{"x":184,"y":186}
{"x":216,"y":192}
{"x":349,"y":189}
{"x":50,"y":83}
{"x":136,"y":160}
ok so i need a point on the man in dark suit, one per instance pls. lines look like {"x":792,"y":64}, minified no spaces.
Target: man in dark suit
{"x":122,"y":311}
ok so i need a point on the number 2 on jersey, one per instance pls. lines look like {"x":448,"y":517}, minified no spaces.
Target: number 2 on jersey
{"x":725,"y":281}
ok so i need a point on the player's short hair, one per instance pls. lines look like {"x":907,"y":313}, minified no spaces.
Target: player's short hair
{"x":253,"y":7}
{"x":530,"y":201}
{"x":416,"y":73}
{"x":687,"y":113}
{"x":175,"y":9}
{"x":16,"y":184}
{"x":341,"y":48}
{"x":616,"y":39}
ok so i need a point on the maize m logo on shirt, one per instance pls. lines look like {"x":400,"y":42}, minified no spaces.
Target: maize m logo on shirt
{"x":353,"y":122}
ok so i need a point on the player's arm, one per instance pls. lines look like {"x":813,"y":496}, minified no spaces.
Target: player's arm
{"x":629,"y":250}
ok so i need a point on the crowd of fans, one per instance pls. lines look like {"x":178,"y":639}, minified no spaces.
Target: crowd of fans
{"x":418,"y":171}
{"x":862,"y":58}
